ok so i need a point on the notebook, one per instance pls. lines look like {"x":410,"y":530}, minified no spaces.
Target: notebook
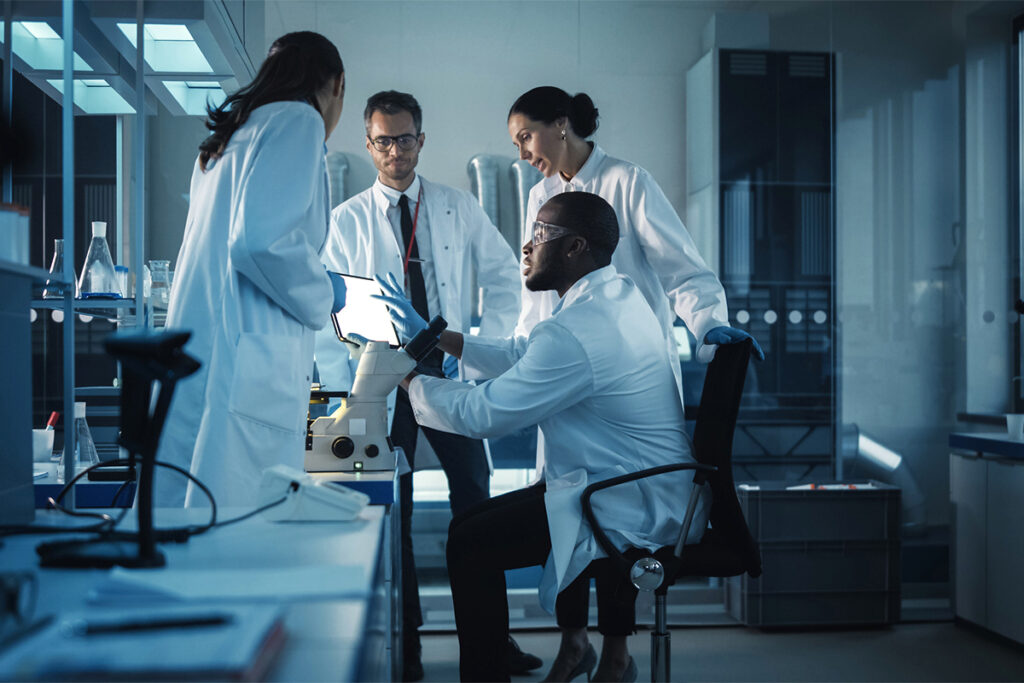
{"x":222,"y":643}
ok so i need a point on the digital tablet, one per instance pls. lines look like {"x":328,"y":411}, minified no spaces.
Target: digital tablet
{"x":362,"y":315}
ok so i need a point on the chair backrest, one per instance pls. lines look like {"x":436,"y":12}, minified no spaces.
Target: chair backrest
{"x":712,"y":444}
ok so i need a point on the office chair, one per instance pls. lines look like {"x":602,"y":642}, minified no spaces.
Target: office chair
{"x":727,"y":548}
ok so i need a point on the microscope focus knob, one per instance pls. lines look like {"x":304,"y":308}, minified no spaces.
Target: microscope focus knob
{"x":343,"y":447}
{"x":372,"y":451}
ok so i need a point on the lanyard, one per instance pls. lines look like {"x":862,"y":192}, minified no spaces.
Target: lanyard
{"x":412,"y":238}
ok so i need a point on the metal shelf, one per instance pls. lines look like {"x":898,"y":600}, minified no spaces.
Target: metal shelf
{"x":111,"y":309}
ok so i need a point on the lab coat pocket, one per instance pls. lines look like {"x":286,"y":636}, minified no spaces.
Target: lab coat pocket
{"x":269,"y":384}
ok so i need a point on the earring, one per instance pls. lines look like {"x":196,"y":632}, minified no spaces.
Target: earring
{"x":563,"y":135}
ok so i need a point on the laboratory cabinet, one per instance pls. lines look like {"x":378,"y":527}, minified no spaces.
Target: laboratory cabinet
{"x":16,"y":496}
{"x":761,"y":208}
{"x":986,"y":490}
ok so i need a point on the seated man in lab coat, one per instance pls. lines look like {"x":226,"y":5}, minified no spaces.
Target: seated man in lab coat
{"x":434,"y":239}
{"x":597,"y":378}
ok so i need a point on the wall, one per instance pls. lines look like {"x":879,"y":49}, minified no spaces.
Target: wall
{"x":466,"y":62}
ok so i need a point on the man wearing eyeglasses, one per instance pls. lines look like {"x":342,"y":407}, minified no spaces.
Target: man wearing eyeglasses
{"x":597,"y":379}
{"x":434,"y":240}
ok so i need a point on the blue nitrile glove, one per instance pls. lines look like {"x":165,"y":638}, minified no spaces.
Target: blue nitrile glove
{"x":405,"y":318}
{"x":338,"y":285}
{"x":451,"y":367}
{"x":730,"y":335}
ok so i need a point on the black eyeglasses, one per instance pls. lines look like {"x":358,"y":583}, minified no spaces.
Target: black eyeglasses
{"x":405,"y":142}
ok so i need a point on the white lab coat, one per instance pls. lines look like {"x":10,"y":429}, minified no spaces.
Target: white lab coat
{"x":654,"y":250}
{"x":597,"y":379}
{"x":250,"y":286}
{"x":463,"y":242}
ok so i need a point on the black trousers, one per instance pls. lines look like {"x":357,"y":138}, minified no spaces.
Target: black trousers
{"x":509,"y":532}
{"x":465,"y":464}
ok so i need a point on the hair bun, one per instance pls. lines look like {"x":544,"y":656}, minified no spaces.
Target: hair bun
{"x":583,"y":115}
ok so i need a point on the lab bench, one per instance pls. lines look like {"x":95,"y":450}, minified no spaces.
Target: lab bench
{"x":343,"y":633}
{"x":986,"y":487}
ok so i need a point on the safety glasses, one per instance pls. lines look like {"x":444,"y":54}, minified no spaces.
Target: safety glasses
{"x":545,"y":232}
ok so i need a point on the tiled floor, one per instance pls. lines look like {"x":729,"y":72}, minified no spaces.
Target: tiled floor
{"x":908,"y":652}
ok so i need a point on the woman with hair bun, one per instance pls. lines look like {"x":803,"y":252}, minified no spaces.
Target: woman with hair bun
{"x":549,"y":128}
{"x":249,"y":283}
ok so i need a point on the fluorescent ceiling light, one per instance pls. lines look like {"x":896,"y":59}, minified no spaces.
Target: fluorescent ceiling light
{"x":169,"y":48}
{"x":166,"y":32}
{"x":39,"y":46}
{"x":40,"y":30}
{"x":193,"y":96}
{"x":95,"y":96}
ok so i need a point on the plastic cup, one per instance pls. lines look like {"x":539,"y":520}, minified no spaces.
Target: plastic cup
{"x":1015,"y":426}
{"x":42,"y":445}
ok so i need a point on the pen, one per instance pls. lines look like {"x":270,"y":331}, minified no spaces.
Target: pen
{"x":93,"y":628}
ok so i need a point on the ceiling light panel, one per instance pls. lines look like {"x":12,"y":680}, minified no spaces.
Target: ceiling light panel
{"x":169,"y":48}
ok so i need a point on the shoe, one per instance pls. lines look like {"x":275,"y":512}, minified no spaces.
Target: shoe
{"x":587,"y":664}
{"x":521,"y":663}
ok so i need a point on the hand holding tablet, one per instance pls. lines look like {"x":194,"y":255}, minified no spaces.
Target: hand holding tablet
{"x":364,"y":317}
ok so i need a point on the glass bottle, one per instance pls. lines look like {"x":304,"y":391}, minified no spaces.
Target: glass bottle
{"x":85,"y":447}
{"x":55,"y":290}
{"x":161,"y":283}
{"x":98,"y":278}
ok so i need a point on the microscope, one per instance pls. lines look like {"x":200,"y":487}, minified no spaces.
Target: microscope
{"x":355,"y":437}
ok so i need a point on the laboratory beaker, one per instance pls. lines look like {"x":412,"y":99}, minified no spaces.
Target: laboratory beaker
{"x":98,"y":280}
{"x":85,"y":447}
{"x":56,"y":290}
{"x":161,"y":283}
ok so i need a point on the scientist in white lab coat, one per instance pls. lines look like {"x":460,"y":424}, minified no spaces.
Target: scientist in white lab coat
{"x":549,"y":128}
{"x":438,"y":242}
{"x":249,"y":283}
{"x":597,"y":378}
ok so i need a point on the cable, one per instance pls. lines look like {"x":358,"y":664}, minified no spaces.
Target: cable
{"x":106,"y":527}
{"x":294,"y":486}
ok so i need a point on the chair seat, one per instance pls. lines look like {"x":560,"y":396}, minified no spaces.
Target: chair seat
{"x":715,"y":555}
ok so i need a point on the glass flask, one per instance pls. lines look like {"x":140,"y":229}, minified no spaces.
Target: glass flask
{"x":160,"y":285}
{"x":98,"y":280}
{"x":122,"y":279}
{"x":55,"y":290}
{"x":85,"y":447}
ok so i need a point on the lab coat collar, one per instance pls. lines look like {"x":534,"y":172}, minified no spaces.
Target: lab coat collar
{"x":588,"y":172}
{"x":385,"y":197}
{"x":585,"y":284}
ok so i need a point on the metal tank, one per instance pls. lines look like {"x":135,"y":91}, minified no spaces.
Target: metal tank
{"x":524,"y":177}
{"x":337,"y":170}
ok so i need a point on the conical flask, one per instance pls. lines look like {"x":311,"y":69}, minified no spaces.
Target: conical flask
{"x":55,"y":290}
{"x":98,"y":277}
{"x":85,"y":447}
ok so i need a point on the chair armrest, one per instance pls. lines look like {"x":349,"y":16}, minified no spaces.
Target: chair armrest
{"x":588,"y":511}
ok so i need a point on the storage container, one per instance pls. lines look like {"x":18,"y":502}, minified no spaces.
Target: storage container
{"x":830,"y":556}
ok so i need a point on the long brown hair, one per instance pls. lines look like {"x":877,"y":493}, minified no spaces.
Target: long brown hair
{"x":297,"y":67}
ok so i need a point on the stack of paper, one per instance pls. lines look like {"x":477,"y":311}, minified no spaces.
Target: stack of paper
{"x":208,"y":643}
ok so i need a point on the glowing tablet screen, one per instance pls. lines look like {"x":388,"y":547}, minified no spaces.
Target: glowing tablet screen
{"x":362,"y":315}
